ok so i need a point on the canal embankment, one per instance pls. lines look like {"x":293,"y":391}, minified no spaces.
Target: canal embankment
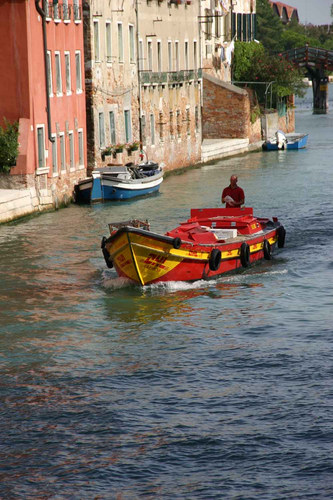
{"x":18,"y":203}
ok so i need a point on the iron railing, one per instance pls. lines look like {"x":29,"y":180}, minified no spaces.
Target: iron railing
{"x":63,"y":11}
{"x":151,"y":77}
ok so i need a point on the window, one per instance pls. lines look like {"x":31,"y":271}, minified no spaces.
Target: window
{"x":62,"y":152}
{"x":58,"y":73}
{"x":81,"y":147}
{"x":196,"y":118}
{"x":77,"y":10}
{"x":152,"y":129}
{"x":186,"y":55}
{"x":68,"y":73}
{"x":172,"y":133}
{"x":128,"y":125}
{"x":78,"y":71}
{"x":131,"y":43}
{"x":96,"y":40}
{"x":254,"y":26}
{"x":41,"y":146}
{"x":249,"y":28}
{"x":177,"y":55}
{"x":208,"y":24}
{"x":71,"y":150}
{"x":217,"y":24}
{"x":244,"y":28}
{"x":54,"y":155}
{"x":178,"y":124}
{"x":188,"y":122}
{"x":169,"y":56}
{"x":239,"y":26}
{"x":143,"y":129}
{"x":49,"y":74}
{"x":101,"y":130}
{"x":120,"y":43}
{"x":112,"y":128}
{"x":195,"y":55}
{"x":141,"y":56}
{"x":233,"y":25}
{"x":159,"y":57}
{"x":150,"y":56}
{"x":65,"y":10}
{"x":47,"y":10}
{"x":161,"y":127}
{"x":56,"y":12}
{"x":108,"y":40}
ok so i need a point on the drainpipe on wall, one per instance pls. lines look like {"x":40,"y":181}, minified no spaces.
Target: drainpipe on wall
{"x":200,"y":66}
{"x":41,"y":12}
{"x":138,"y":71}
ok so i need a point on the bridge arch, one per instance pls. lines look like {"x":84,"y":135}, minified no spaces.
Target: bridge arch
{"x":317,"y":63}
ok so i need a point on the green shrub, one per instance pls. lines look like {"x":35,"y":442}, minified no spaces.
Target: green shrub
{"x":253,"y":64}
{"x":9,"y":146}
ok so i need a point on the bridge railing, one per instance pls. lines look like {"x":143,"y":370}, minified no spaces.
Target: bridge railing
{"x":310,"y":56}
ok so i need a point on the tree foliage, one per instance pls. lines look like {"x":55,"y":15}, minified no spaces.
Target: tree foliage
{"x":9,"y":146}
{"x":262,"y":62}
{"x":253,"y":64}
{"x":277,"y":37}
{"x":269,"y":27}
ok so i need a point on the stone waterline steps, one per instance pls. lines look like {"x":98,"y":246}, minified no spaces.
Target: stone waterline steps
{"x":15,"y":203}
{"x":213,"y":149}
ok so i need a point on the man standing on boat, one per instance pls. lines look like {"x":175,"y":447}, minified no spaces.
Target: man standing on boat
{"x":233,"y":195}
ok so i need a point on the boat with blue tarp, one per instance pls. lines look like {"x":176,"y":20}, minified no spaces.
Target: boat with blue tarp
{"x":119,"y":182}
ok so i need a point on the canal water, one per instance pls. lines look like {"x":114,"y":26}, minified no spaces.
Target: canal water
{"x":219,"y":389}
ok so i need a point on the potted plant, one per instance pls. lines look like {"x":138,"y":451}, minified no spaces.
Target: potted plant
{"x":118,"y":148}
{"x":106,"y":152}
{"x":134,"y":146}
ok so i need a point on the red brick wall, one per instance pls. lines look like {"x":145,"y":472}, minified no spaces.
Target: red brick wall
{"x":226,"y":110}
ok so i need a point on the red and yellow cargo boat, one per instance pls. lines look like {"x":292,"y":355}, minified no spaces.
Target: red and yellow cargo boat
{"x":213,"y":241}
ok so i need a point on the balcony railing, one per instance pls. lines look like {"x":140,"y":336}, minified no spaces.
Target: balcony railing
{"x":63,"y":11}
{"x":150,"y":77}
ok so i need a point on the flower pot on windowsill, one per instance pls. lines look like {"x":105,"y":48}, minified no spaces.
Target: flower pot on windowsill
{"x":106,"y":152}
{"x":118,"y":150}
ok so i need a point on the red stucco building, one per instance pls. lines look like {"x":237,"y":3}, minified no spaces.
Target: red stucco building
{"x":42,"y":87}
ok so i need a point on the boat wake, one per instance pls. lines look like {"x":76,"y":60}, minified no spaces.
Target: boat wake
{"x":117,"y":283}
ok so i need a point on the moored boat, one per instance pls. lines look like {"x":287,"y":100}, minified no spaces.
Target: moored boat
{"x":213,"y":241}
{"x":119,"y":182}
{"x":283,"y":141}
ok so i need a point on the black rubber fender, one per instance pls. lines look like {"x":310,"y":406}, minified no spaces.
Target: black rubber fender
{"x":215,"y":259}
{"x":176,"y":243}
{"x":245,"y":254}
{"x":267,"y":250}
{"x":281,"y":236}
{"x":106,"y":255}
